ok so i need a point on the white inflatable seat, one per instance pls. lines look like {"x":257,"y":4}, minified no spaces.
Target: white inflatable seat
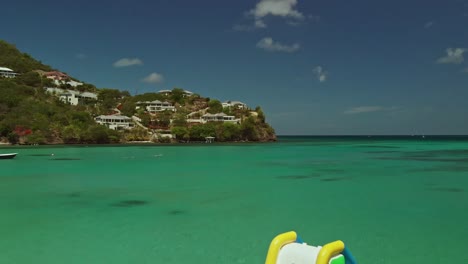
{"x":295,"y":253}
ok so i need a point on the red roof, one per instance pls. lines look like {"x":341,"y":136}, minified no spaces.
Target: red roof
{"x":56,"y":74}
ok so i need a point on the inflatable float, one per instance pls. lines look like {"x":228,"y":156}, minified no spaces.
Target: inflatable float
{"x":288,"y":248}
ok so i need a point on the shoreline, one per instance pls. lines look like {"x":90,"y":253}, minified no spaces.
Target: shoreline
{"x":144,"y":143}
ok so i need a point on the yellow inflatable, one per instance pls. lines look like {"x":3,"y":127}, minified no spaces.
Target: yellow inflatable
{"x":288,"y":248}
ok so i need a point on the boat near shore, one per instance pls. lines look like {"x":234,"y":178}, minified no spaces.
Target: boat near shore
{"x":8,"y":155}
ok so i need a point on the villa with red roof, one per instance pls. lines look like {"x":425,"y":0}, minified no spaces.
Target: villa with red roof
{"x":56,"y":75}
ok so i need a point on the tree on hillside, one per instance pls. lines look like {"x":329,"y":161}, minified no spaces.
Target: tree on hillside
{"x":128,"y":108}
{"x":261,"y":115}
{"x":215,"y":106}
{"x":109,"y":98}
{"x":162,"y":119}
{"x":230,"y":132}
{"x":181,"y":133}
{"x":177,"y":95}
{"x":192,"y":98}
{"x":30,"y":79}
{"x":228,"y":111}
{"x":149,"y":97}
{"x":86,"y":87}
{"x":46,"y":82}
{"x":248,"y":129}
{"x":180,"y":119}
{"x":200,"y":132}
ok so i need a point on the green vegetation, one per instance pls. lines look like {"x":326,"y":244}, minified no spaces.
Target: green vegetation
{"x":214,"y":106}
{"x":28,"y":115}
{"x":12,"y":58}
{"x":251,"y":128}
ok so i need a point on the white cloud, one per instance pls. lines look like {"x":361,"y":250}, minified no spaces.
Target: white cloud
{"x":368,"y":109}
{"x":280,"y":8}
{"x":454,"y":55}
{"x":283,"y":8}
{"x":429,"y":24}
{"x":153,"y":78}
{"x":320,"y":73}
{"x":125,"y":62}
{"x":81,"y":56}
{"x":260,"y":24}
{"x":269,"y":44}
{"x":465,"y":70}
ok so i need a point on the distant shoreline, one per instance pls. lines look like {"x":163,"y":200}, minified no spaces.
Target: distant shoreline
{"x":143,"y":143}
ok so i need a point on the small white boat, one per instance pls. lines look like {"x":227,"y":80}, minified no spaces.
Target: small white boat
{"x":8,"y":155}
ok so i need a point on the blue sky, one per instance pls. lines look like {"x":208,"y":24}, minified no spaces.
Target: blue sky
{"x":361,"y":67}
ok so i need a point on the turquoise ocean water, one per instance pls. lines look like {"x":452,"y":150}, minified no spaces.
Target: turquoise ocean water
{"x":391,"y":200}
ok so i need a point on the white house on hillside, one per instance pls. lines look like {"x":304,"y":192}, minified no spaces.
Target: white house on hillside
{"x":116,"y":122}
{"x":70,"y":96}
{"x":56,"y":75}
{"x":70,"y":82}
{"x":60,"y":78}
{"x":77,"y":98}
{"x":219,"y":117}
{"x":7,"y":72}
{"x":156,"y":106}
{"x":237,"y":104}
{"x":168,"y":92}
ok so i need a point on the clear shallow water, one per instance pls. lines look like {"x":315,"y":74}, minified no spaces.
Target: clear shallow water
{"x":390,"y":200}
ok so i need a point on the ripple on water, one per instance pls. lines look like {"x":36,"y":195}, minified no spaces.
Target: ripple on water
{"x":383,"y":151}
{"x":454,"y":168}
{"x":335,"y":179}
{"x":297,"y":177}
{"x":377,"y":146}
{"x":447,"y":189}
{"x":74,"y":194}
{"x":447,"y":155}
{"x":177,"y":212}
{"x":129,"y":203}
{"x":65,"y":159}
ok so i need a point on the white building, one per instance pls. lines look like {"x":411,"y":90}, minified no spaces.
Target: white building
{"x":156,"y":106}
{"x":236,"y":104}
{"x":116,"y":122}
{"x":71,"y":83}
{"x":60,"y":78}
{"x":219,"y":117}
{"x":7,"y":72}
{"x":56,"y":75}
{"x":72,"y":97}
{"x":168,"y":92}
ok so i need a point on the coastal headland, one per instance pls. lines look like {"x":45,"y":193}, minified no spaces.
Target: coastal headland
{"x":42,"y":105}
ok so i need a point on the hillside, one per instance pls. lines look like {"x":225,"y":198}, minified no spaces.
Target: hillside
{"x":30,"y":115}
{"x":187,"y":120}
{"x":12,"y":58}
